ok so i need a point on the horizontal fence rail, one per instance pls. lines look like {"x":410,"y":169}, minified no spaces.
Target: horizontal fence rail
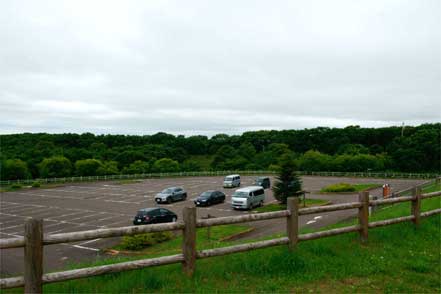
{"x":190,"y":254}
{"x":217,"y":173}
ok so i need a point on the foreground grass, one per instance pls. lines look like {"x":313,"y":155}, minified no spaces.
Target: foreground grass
{"x":278,"y":206}
{"x":432,"y":187}
{"x":205,"y":238}
{"x":397,"y":259}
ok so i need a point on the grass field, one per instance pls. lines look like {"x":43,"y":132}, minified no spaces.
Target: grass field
{"x":397,"y":259}
{"x":204,"y":239}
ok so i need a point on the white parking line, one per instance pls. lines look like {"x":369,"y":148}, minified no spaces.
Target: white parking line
{"x":127,"y":202}
{"x":318,"y":217}
{"x":13,"y":235}
{"x":89,"y":215}
{"x":90,"y":241}
{"x":83,"y":247}
{"x":310,"y":222}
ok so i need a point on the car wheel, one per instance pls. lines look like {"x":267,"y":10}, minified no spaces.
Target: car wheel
{"x":261,"y":203}
{"x":174,"y":219}
{"x":184,"y":196}
{"x":169,"y":200}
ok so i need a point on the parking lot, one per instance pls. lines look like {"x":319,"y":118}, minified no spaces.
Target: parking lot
{"x":86,"y":206}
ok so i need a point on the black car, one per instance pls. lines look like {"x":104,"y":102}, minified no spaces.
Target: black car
{"x":264,"y":182}
{"x":154,"y":216}
{"x":209,"y":197}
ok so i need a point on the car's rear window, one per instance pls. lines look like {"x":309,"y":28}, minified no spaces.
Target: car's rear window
{"x":142,"y":213}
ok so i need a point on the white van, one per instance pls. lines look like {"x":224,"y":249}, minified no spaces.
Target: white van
{"x":232,"y":181}
{"x":248,"y":197}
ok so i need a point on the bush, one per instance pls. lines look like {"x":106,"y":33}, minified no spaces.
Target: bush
{"x":15,"y":186}
{"x":140,"y":241}
{"x":340,"y":187}
{"x":36,"y":185}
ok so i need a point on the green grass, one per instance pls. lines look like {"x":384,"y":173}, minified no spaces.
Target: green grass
{"x":12,"y":188}
{"x":345,"y":187}
{"x":397,"y":259}
{"x":432,"y":188}
{"x":278,"y":206}
{"x":205,"y":239}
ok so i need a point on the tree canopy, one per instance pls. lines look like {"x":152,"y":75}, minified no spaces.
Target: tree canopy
{"x":353,"y":148}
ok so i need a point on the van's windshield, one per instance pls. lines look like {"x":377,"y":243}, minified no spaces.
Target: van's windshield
{"x":228,"y":179}
{"x":240,"y":194}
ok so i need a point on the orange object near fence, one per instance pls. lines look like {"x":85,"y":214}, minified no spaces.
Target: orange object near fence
{"x":386,"y":191}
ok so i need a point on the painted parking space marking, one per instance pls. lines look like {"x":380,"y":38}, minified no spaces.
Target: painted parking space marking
{"x":11,"y":235}
{"x":83,"y":247}
{"x":318,"y":217}
{"x":310,"y":222}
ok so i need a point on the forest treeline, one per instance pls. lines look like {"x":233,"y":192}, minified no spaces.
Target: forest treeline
{"x":412,"y":149}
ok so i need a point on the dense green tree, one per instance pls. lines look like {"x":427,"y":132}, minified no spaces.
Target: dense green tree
{"x":412,"y":149}
{"x":138,"y":167}
{"x":224,"y":153}
{"x":353,"y":149}
{"x":357,"y":163}
{"x":87,"y":167}
{"x":314,"y":161}
{"x":127,"y":157}
{"x":191,"y":165}
{"x":165,"y":165}
{"x":14,"y":169}
{"x":247,"y":151}
{"x":196,"y":145}
{"x":108,"y":168}
{"x":55,"y":167}
{"x":236,"y":163}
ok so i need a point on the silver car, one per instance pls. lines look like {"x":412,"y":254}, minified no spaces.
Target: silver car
{"x":170,"y":195}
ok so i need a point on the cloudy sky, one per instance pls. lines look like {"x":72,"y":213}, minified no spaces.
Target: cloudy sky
{"x":206,"y":67}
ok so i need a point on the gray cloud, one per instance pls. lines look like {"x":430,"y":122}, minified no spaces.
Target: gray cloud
{"x":209,"y":67}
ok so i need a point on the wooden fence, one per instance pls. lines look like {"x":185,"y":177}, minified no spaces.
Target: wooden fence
{"x":34,"y":239}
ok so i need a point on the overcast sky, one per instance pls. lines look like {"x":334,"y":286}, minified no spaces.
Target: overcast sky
{"x":207,"y":67}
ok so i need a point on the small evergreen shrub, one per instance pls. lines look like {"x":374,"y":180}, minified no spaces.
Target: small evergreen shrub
{"x":36,"y":185}
{"x":340,"y":187}
{"x":140,"y":241}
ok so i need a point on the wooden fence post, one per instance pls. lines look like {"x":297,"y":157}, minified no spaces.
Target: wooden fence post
{"x":363,"y":215}
{"x":416,"y":205}
{"x":33,"y":256}
{"x":292,"y":222}
{"x":189,"y":241}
